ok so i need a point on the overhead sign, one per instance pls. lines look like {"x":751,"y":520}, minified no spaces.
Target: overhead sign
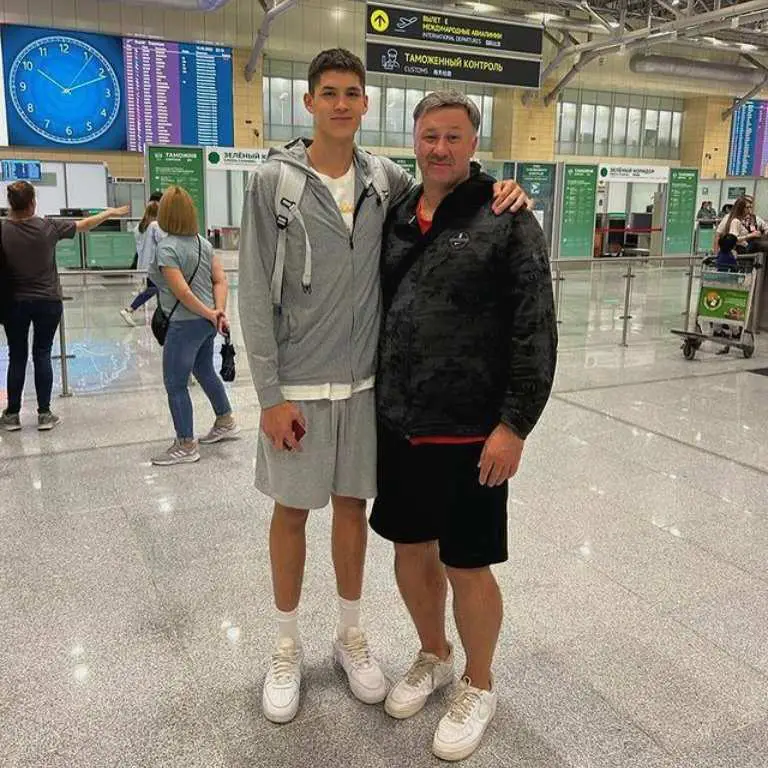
{"x":223,"y":159}
{"x":649,"y":173}
{"x":429,"y":26}
{"x":464,"y":66}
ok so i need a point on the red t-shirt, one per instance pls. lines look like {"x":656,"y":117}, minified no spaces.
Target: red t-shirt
{"x":425,"y":225}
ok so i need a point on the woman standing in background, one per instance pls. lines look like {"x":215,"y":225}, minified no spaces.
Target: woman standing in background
{"x":148,"y":236}
{"x":28,"y":270}
{"x":193,"y":293}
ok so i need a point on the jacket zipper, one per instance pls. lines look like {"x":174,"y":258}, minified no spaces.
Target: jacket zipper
{"x":358,"y":206}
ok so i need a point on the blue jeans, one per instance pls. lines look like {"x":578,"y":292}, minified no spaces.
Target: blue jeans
{"x":44,"y":316}
{"x":189,"y":349}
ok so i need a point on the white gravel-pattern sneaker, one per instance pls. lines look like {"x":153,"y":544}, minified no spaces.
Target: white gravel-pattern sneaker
{"x":427,"y":674}
{"x":365,"y":677}
{"x":460,"y":730}
{"x":280,"y":698}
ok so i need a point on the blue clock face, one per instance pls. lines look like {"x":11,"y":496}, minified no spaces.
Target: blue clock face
{"x":65,"y":90}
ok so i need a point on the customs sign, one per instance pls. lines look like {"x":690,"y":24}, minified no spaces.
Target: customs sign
{"x":464,"y":66}
{"x":434,"y":27}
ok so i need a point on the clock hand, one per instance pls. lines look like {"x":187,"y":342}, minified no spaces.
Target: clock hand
{"x":87,"y":82}
{"x":48,"y":77}
{"x":87,"y":61}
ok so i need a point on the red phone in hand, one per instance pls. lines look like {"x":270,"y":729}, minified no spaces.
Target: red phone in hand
{"x":298,"y":430}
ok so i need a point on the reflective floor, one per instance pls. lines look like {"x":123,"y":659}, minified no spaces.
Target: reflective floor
{"x":136,"y":609}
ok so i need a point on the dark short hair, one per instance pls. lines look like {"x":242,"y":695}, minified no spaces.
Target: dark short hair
{"x":334,"y":60}
{"x":155,"y":197}
{"x":443,"y":99}
{"x":728,"y":242}
{"x":21,"y":194}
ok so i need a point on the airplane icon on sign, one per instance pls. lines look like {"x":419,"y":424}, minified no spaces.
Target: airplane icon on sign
{"x":406,"y":21}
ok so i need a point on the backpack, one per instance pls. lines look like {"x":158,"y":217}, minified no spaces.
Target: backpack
{"x":290,"y":188}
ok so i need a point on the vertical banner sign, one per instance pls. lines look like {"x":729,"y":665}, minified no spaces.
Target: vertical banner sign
{"x":184,"y":166}
{"x":538,"y":180}
{"x":577,"y":232}
{"x":508,"y":169}
{"x":681,"y":211}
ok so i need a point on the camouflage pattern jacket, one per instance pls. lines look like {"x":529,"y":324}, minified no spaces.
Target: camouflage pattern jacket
{"x":469,"y":336}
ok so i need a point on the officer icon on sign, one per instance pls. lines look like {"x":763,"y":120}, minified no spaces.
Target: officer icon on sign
{"x":389,"y":60}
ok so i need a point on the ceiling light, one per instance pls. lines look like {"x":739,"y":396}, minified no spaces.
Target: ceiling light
{"x":714,"y":41}
{"x":747,"y":47}
{"x":675,"y":3}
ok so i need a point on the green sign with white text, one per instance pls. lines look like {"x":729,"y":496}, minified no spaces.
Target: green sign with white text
{"x":407,"y":163}
{"x":182,"y":166}
{"x":681,"y":211}
{"x":577,"y":232}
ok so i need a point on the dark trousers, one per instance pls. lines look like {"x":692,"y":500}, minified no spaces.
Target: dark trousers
{"x":142,"y":298}
{"x":44,"y":317}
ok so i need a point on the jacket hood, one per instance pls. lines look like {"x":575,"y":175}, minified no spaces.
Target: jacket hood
{"x":295,"y":153}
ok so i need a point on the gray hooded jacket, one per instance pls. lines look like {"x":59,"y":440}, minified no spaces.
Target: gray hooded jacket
{"x":326,"y":332}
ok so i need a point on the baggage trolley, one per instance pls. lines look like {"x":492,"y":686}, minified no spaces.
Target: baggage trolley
{"x":724,"y":308}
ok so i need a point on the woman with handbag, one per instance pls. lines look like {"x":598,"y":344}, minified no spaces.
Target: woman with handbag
{"x":192,"y":304}
{"x":31,"y":280}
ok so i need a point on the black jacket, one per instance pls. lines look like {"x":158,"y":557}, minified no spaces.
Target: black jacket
{"x":469,"y":335}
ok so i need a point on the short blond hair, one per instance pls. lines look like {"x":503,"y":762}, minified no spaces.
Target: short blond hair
{"x":177,"y":214}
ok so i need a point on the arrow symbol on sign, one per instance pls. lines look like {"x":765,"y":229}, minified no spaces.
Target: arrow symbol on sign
{"x":379,"y":19}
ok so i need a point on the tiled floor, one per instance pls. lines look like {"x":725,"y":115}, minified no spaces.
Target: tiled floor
{"x":136,"y":612}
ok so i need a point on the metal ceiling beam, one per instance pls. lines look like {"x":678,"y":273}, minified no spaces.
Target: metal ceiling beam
{"x":721,"y":17}
{"x":746,"y":97}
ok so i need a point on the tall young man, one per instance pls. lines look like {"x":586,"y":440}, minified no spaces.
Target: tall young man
{"x":467,"y":358}
{"x":310,"y":311}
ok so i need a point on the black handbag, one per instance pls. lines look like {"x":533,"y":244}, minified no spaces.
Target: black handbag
{"x":227,"y":359}
{"x":160,"y":321}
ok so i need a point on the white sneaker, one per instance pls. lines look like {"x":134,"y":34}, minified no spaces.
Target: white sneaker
{"x":462,"y":727}
{"x":426,"y":675}
{"x":127,"y":315}
{"x":365,"y":677}
{"x":280,"y":699}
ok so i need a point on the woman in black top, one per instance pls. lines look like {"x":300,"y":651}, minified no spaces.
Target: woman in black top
{"x":32,"y":296}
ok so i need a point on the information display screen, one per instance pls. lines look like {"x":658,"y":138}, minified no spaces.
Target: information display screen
{"x":78,"y":90}
{"x":178,"y":93}
{"x":63,"y":89}
{"x":21,"y":170}
{"x":748,"y":154}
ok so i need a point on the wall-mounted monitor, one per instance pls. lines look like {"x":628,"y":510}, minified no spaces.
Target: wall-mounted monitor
{"x":63,"y":90}
{"x":748,"y":153}
{"x":80,"y":90}
{"x":21,"y":170}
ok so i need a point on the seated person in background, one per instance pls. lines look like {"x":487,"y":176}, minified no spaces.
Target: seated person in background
{"x":726,"y":259}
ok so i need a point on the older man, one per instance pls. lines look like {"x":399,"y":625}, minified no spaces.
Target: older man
{"x":467,"y":358}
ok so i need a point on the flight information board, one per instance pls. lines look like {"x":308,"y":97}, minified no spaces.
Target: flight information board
{"x":21,"y":170}
{"x":78,"y":90}
{"x":178,"y":93}
{"x":748,"y":153}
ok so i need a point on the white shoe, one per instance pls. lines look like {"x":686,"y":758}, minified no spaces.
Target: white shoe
{"x":427,"y":674}
{"x":127,"y":315}
{"x":365,"y":677}
{"x":280,"y":698}
{"x":462,"y":727}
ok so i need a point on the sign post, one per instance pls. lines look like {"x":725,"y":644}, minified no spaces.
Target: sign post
{"x":182,"y":166}
{"x":577,"y":228}
{"x":538,"y":181}
{"x":680,"y":219}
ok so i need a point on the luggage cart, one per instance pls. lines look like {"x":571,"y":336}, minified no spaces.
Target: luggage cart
{"x":724,"y":313}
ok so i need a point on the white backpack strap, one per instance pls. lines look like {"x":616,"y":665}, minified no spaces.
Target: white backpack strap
{"x":290,"y":187}
{"x":379,"y":179}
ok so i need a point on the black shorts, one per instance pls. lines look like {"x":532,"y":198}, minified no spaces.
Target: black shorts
{"x":433,"y":493}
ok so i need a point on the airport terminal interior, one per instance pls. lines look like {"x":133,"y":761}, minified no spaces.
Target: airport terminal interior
{"x":136,"y":609}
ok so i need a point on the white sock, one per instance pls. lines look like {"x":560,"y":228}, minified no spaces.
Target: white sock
{"x":288,"y":625}
{"x":349,"y":615}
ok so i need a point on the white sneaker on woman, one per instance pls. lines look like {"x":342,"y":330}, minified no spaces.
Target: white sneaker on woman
{"x":127,"y":315}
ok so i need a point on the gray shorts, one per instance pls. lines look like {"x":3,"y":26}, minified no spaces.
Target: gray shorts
{"x":338,"y":455}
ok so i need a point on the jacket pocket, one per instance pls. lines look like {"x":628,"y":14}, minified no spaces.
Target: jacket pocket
{"x":282,"y":326}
